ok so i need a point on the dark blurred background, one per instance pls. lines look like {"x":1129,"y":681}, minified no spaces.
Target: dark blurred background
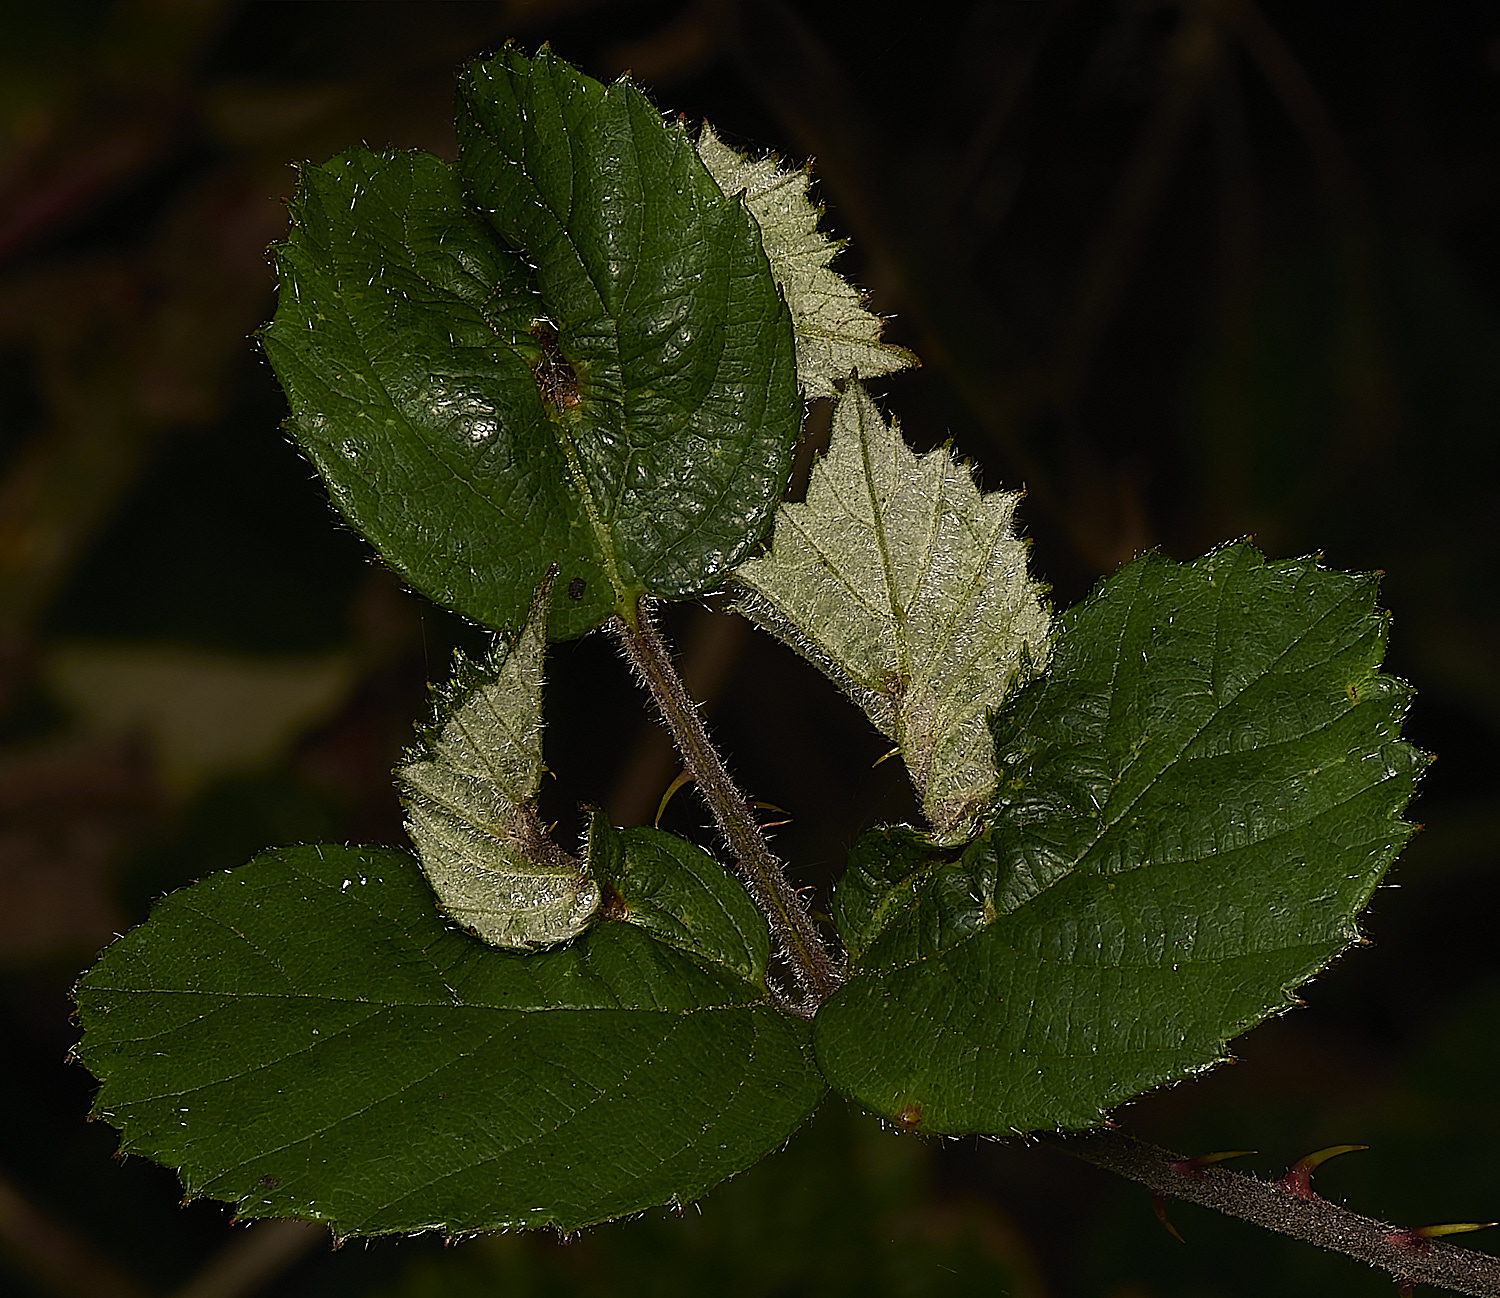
{"x":1186,"y":270}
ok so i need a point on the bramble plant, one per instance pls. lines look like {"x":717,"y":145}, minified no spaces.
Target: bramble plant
{"x":563,"y":379}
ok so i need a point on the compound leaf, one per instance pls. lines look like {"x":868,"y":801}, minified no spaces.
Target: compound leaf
{"x":909,"y":588}
{"x":1196,"y":801}
{"x":836,"y":335}
{"x":568,"y":350}
{"x":304,"y":1036}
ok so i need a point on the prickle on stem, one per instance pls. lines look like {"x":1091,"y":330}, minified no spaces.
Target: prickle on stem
{"x":1298,"y":1179}
{"x":1415,"y":1241}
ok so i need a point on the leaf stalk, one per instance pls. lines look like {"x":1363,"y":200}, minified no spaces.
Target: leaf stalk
{"x":792,"y":928}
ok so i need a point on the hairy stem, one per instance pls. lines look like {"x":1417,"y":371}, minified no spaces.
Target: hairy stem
{"x":791,"y":926}
{"x":1409,"y":1257}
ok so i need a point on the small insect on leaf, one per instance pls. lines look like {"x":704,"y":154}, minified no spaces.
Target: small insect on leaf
{"x":470,"y":790}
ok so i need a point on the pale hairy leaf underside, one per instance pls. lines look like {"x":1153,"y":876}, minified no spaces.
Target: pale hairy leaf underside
{"x":909,"y":587}
{"x":836,"y":335}
{"x":469,"y":791}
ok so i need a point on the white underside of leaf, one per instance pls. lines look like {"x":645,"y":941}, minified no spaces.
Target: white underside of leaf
{"x":836,"y":336}
{"x":470,"y":805}
{"x":909,"y":588}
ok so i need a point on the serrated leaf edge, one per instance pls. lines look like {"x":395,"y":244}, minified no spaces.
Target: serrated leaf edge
{"x":470,"y":789}
{"x":836,"y":335}
{"x":861,"y":580}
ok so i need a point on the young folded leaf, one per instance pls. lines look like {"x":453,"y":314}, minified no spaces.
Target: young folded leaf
{"x":908,"y":587}
{"x":469,"y":791}
{"x":836,"y":336}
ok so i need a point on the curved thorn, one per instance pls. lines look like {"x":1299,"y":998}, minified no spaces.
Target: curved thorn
{"x":1159,"y":1207}
{"x":1298,"y":1178}
{"x":683,"y":778}
{"x":1416,"y":1241}
{"x":1454,"y":1228}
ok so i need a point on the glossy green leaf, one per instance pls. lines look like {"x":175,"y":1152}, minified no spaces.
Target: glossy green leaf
{"x":679,"y":894}
{"x":402,"y":340}
{"x":595,"y":371}
{"x":846,"y":1210}
{"x":1195,"y":804}
{"x":666,"y":312}
{"x":304,"y":1036}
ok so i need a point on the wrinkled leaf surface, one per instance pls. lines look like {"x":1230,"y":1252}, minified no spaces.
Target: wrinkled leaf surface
{"x":1196,"y":802}
{"x":569,"y":349}
{"x":470,"y":789}
{"x":304,"y":1036}
{"x":836,"y":335}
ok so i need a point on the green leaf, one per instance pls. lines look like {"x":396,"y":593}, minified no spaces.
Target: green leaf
{"x":470,"y":792}
{"x":882,"y":878}
{"x":836,"y":335}
{"x":597,"y":372}
{"x":666,"y":312}
{"x":402,"y":340}
{"x":1196,"y":802}
{"x":909,"y":588}
{"x":303,"y":1036}
{"x":679,"y":894}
